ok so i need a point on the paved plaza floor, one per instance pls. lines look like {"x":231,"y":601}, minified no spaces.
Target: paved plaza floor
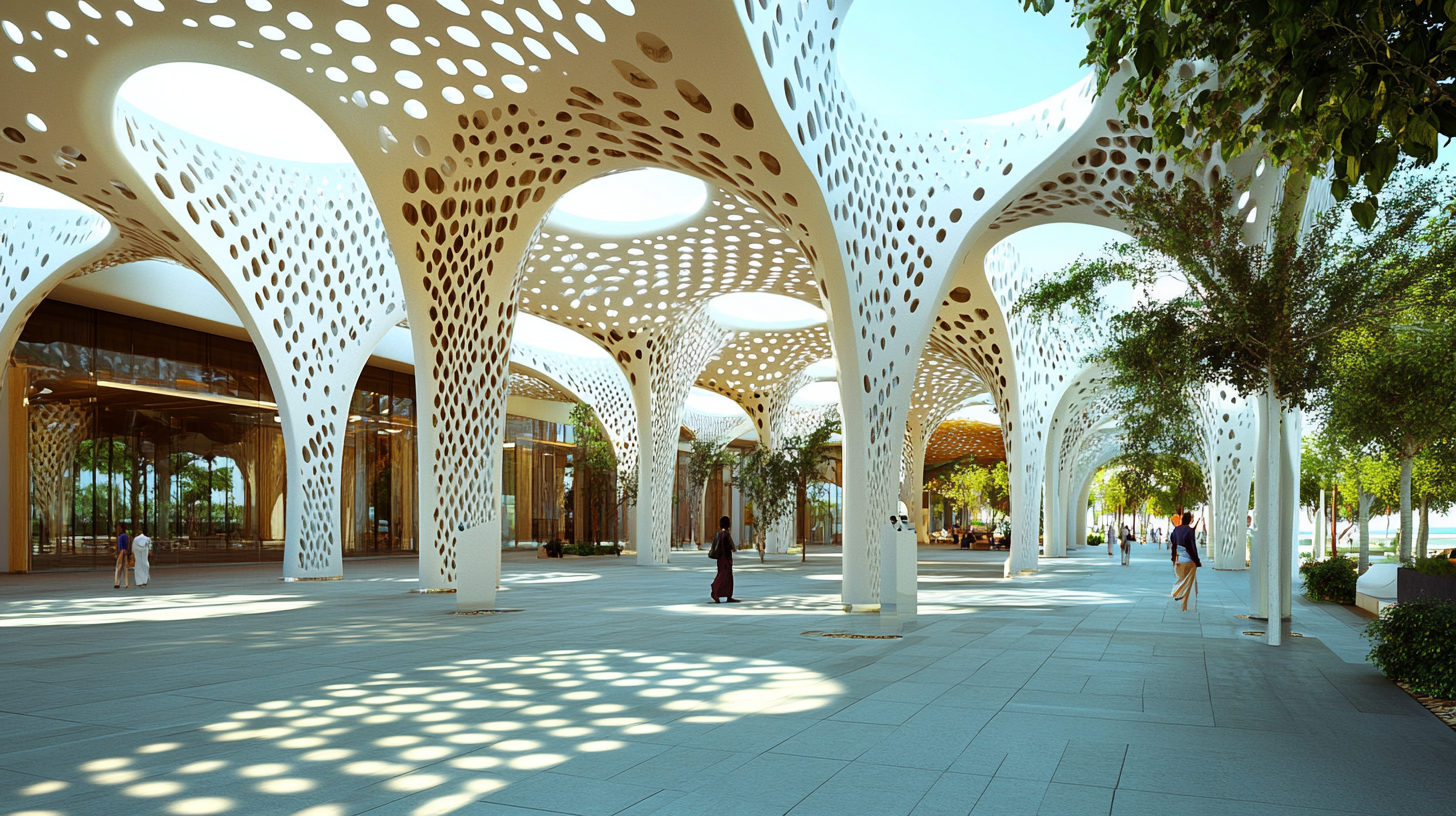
{"x":619,"y":689}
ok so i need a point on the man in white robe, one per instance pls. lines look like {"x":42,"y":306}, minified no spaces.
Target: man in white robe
{"x":141,"y":548}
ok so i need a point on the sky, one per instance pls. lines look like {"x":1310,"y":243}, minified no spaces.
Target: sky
{"x":234,"y":109}
{"x":957,"y":59}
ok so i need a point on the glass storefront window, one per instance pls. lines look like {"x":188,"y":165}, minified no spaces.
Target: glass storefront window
{"x":175,"y":432}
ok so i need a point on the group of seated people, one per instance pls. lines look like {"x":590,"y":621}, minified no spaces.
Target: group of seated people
{"x":968,"y":538}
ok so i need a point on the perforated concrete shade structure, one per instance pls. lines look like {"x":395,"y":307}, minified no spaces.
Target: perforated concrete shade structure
{"x":964,"y":438}
{"x":467,"y":120}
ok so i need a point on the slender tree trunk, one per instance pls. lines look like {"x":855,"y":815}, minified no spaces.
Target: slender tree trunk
{"x":1364,"y":501}
{"x":1406,"y":531}
{"x":1424,"y":535}
{"x":1274,"y":465}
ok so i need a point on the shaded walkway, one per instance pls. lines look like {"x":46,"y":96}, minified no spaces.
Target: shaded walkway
{"x":1080,"y":690}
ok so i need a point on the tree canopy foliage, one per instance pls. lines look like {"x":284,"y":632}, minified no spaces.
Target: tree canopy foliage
{"x":771,"y":479}
{"x":1260,"y":318}
{"x":1350,"y":85}
{"x":974,"y":488}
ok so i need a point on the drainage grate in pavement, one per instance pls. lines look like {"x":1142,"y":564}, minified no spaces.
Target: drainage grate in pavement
{"x":850,"y":636}
{"x":488,"y":612}
{"x":1261,"y":634}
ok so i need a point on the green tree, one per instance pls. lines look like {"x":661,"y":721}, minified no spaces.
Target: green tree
{"x":766,"y":482}
{"x":704,"y":457}
{"x":998,"y":493}
{"x":1263,"y":319}
{"x":594,"y":470}
{"x":967,"y":486}
{"x":1433,"y":486}
{"x":805,"y":458}
{"x":1394,"y":389}
{"x":1349,"y":85}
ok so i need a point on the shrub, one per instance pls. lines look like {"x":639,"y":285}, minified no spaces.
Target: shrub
{"x":1441,"y":567}
{"x":588,"y":548}
{"x":1330,"y":580}
{"x":1093,"y":539}
{"x":1414,"y":642}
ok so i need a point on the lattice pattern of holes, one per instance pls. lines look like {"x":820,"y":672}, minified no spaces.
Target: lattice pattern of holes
{"x":1227,"y":423}
{"x":1084,"y":407}
{"x":304,"y":249}
{"x":504,"y":165}
{"x":600,"y":284}
{"x":674,"y":359}
{"x":35,"y":249}
{"x":715,"y":429}
{"x":901,"y":201}
{"x":859,"y":169}
{"x":1230,"y":426}
{"x":961,"y":438}
{"x":598,"y":382}
{"x":942,"y":386}
{"x":56,"y":429}
{"x":790,"y":419}
{"x":461,"y":423}
{"x":1041,"y":354}
{"x":1095,"y":179}
{"x":521,"y":384}
{"x":1096,"y":450}
{"x":752,"y":364}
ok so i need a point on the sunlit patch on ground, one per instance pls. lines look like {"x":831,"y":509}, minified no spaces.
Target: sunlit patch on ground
{"x":447,"y":734}
{"x":534,"y":578}
{"x":114,"y":609}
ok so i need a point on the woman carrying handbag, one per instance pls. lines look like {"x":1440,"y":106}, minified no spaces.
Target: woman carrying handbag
{"x":722,"y":552}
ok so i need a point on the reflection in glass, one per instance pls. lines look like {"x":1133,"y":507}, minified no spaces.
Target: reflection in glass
{"x":176,"y":432}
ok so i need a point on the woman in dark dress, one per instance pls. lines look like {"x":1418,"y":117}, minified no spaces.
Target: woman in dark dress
{"x":722,"y":552}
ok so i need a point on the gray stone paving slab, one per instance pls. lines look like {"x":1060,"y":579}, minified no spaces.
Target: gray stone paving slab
{"x":616,"y":691}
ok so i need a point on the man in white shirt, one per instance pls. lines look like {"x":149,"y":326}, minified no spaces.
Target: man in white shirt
{"x":141,"y":547}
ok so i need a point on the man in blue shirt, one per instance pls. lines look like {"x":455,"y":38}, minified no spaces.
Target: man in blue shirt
{"x":123,"y":552}
{"x":1184,"y":545}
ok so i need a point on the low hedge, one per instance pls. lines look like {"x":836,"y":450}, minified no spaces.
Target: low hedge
{"x":1414,"y":642}
{"x":1439,"y":567}
{"x":1332,"y":579}
{"x":1093,"y":539}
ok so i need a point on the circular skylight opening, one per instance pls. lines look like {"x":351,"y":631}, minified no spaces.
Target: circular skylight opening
{"x":713,"y":404}
{"x":24,"y":194}
{"x":977,"y":411}
{"x":548,"y":336}
{"x":632,"y":202}
{"x":949,"y":59}
{"x":823,"y":370}
{"x":755,"y":311}
{"x":819,"y":393}
{"x":234,"y":109}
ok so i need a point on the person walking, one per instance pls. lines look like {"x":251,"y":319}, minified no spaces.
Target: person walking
{"x":123,"y":552}
{"x":1158,"y":537}
{"x":1128,"y":538}
{"x":141,"y":547}
{"x":1184,"y":545}
{"x":1111,"y":536}
{"x":722,"y":552}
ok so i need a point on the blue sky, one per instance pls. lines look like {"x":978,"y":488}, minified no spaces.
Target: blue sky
{"x":957,"y":59}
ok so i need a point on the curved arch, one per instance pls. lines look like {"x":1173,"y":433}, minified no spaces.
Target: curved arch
{"x":271,"y":236}
{"x":596,"y":381}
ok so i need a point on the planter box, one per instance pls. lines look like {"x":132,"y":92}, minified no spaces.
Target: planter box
{"x":1411,"y":585}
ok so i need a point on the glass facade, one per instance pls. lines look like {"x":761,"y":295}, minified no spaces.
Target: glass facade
{"x":536,"y":483}
{"x":175,"y":432}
